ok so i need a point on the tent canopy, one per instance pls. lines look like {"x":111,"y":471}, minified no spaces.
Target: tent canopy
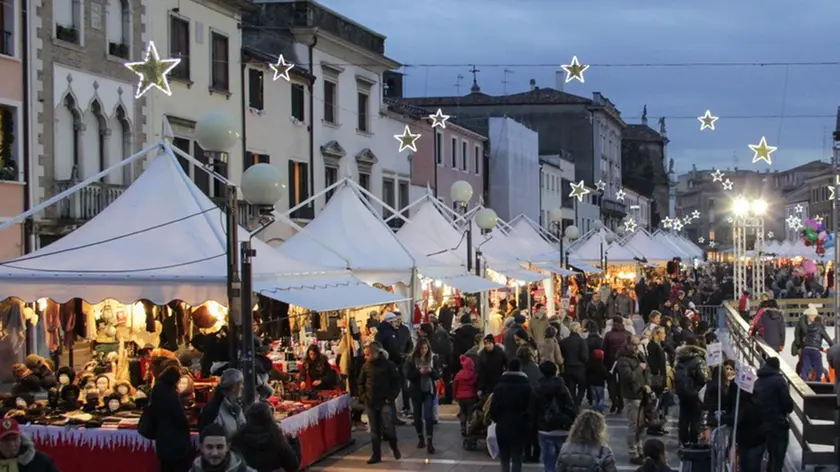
{"x":163,"y":239}
{"x":642,"y":243}
{"x":664,"y":239}
{"x":590,"y":250}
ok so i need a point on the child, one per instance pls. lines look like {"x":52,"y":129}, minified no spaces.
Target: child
{"x":465,"y":392}
{"x":596,"y":377}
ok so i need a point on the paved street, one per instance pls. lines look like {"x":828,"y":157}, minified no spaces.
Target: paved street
{"x":450,"y":455}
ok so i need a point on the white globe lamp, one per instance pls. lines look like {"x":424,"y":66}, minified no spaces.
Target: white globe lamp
{"x":263,"y":185}
{"x":555,"y":215}
{"x":572,"y":232}
{"x":461,"y":192}
{"x":620,"y":229}
{"x":216,"y":132}
{"x":486,"y":219}
{"x":610,"y":237}
{"x":597,"y":225}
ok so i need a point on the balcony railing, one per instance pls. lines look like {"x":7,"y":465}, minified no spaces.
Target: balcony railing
{"x":6,"y":43}
{"x":87,"y":202}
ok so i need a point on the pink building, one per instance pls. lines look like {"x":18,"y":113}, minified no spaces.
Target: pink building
{"x":11,"y":123}
{"x":444,"y":155}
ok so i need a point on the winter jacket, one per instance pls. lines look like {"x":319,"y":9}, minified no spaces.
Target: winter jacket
{"x":799,"y":333}
{"x":442,"y":345}
{"x":491,"y":366}
{"x":594,"y":341}
{"x":222,"y":412}
{"x":576,"y":457}
{"x":404,"y":342}
{"x":510,"y":407}
{"x":657,"y":360}
{"x":651,"y":466}
{"x":536,"y":327}
{"x":549,"y":350}
{"x":596,"y":373}
{"x":693,"y":360}
{"x":236,"y":464}
{"x":464,"y":339}
{"x":771,"y":327}
{"x":548,"y":390}
{"x":465,"y":384}
{"x":773,"y":395}
{"x":172,"y":431}
{"x":815,"y":335}
{"x":386,"y":336}
{"x":710,"y":397}
{"x":261,"y":451}
{"x":833,"y":355}
{"x":631,"y":376}
{"x":418,"y":382}
{"x":31,"y":460}
{"x":750,"y":432}
{"x":614,"y":341}
{"x":532,"y":371}
{"x":509,"y":339}
{"x":624,"y":304}
{"x":575,"y":352}
{"x":379,"y":382}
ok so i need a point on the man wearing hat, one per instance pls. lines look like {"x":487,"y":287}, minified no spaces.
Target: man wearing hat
{"x":17,"y":452}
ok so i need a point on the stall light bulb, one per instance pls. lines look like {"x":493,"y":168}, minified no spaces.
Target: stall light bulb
{"x":438,"y":283}
{"x":42,"y":304}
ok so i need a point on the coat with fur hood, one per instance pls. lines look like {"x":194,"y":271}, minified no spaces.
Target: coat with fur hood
{"x":537,"y":326}
{"x":31,"y":460}
{"x":549,"y":350}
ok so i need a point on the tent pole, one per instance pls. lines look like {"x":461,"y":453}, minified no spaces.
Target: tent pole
{"x":317,"y":195}
{"x":408,"y":207}
{"x":413,"y":294}
{"x":200,"y":165}
{"x":70,"y":191}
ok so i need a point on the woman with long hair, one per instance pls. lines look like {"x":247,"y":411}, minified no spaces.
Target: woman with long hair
{"x":422,"y":371}
{"x":262,"y":444}
{"x":586,"y":447}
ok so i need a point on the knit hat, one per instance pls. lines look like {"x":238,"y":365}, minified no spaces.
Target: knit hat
{"x":389,"y":317}
{"x":488,"y":338}
{"x":20,"y":371}
{"x":597,"y":354}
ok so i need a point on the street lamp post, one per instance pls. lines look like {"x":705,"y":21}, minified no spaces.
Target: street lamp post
{"x":748,"y":215}
{"x":571,"y":232}
{"x":598,"y":225}
{"x":610,"y":237}
{"x":461,"y":193}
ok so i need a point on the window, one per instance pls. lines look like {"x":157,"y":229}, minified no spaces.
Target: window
{"x":477,"y":159}
{"x":252,"y":158}
{"x":364,"y":180}
{"x":363,"y":101}
{"x":330,"y":177}
{"x":299,"y":189}
{"x":565,"y":191}
{"x":67,"y":15}
{"x":179,"y":46}
{"x":465,"y":156}
{"x":255,"y":89}
{"x":454,"y":156}
{"x":199,"y":176}
{"x":118,"y":27}
{"x":329,"y":102}
{"x":404,"y":195}
{"x":439,"y":148}
{"x":220,"y":70}
{"x":7,"y":29}
{"x":388,"y":196}
{"x":297,"y":102}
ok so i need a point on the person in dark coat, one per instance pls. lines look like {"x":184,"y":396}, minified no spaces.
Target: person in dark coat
{"x":442,"y":347}
{"x":614,"y":341}
{"x":17,"y":447}
{"x":463,"y":338}
{"x":658,"y":366}
{"x":446,"y":315}
{"x":689,"y":379}
{"x":262,"y":444}
{"x":509,"y":409}
{"x":553,"y":410}
{"x":575,"y":357}
{"x":634,"y":383}
{"x":751,"y":437}
{"x":492,"y":362}
{"x":379,"y":385}
{"x":773,"y":395}
{"x":769,"y":325}
{"x":509,"y":335}
{"x":386,"y":336}
{"x":172,"y":431}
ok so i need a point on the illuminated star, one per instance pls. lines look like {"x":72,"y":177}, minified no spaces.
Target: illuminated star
{"x":695,"y":214}
{"x":282,"y":68}
{"x":727,"y":184}
{"x":153,"y":71}
{"x":678,"y":225}
{"x":701,"y":240}
{"x":707,"y":121}
{"x":666,"y":223}
{"x":762,"y":151}
{"x":717,"y":176}
{"x":770,"y":234}
{"x":620,"y":195}
{"x":407,"y":140}
{"x":439,"y":119}
{"x":687,"y":221}
{"x":630,"y":225}
{"x":730,"y":220}
{"x":578,"y":191}
{"x":818,"y":219}
{"x":792,"y":221}
{"x":574,"y":70}
{"x":798,"y":208}
{"x":712,"y":244}
{"x":798,"y":226}
{"x":600,"y":185}
{"x":831,"y":192}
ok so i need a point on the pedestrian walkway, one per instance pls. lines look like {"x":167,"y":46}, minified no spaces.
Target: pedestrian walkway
{"x":451,"y":456}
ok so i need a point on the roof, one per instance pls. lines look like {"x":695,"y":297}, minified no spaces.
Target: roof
{"x":266,"y":46}
{"x":537,"y":96}
{"x":400,"y":106}
{"x":642,"y":132}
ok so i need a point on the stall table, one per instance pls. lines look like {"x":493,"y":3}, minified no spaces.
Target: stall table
{"x":321,"y":429}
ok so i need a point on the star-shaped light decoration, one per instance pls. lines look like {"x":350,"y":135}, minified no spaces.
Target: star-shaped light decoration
{"x":687,"y":221}
{"x":717,"y":176}
{"x":701,"y":240}
{"x":695,"y":214}
{"x":439,"y":119}
{"x":770,"y":234}
{"x":712,"y":244}
{"x":630,"y":225}
{"x":620,"y":195}
{"x":730,"y":220}
{"x":831,"y":192}
{"x":282,"y":68}
{"x":792,"y":221}
{"x":678,"y":226}
{"x":600,"y":185}
{"x":818,"y":218}
{"x":707,"y":121}
{"x":667,"y":222}
{"x":574,"y":70}
{"x":578,"y":191}
{"x":762,"y":151}
{"x":727,"y":184}
{"x":152,"y":71}
{"x":798,"y":208}
{"x":798,"y":226}
{"x":407,"y":140}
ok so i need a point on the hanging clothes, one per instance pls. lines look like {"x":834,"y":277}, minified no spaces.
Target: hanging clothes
{"x":52,"y":323}
{"x":149,"y":308}
{"x":11,"y":316}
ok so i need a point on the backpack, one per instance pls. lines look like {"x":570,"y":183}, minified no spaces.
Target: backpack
{"x":556,"y":418}
{"x":684,"y":381}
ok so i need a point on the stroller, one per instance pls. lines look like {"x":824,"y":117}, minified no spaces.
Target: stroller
{"x":477,"y":428}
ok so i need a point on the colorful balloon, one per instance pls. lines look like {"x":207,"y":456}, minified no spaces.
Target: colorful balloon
{"x":810,"y":267}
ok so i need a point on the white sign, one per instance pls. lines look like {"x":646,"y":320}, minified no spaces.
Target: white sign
{"x":745,"y":378}
{"x":714,"y":354}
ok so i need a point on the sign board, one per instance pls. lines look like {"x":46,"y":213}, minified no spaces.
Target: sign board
{"x":714,"y":354}
{"x":745,"y":378}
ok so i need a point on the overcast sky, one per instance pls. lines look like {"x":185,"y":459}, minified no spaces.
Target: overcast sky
{"x":649,"y":31}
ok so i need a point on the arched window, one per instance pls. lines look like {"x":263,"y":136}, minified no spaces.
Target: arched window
{"x":119,"y":147}
{"x":67,"y":139}
{"x":94,"y":157}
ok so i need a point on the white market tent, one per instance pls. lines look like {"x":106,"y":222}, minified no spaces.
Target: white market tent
{"x":665,"y":239}
{"x":644,"y":244}
{"x":772,"y":247}
{"x":799,"y":249}
{"x":590,"y":250}
{"x":690,"y":248}
{"x":525,"y":235}
{"x":163,"y":240}
{"x":347,"y":234}
{"x":783,"y":248}
{"x":502,"y":255}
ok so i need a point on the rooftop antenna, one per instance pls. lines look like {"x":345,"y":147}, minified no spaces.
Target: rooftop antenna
{"x":458,"y":84}
{"x":505,"y":80}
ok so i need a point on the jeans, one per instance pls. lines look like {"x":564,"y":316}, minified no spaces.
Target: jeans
{"x":379,"y":430}
{"x":777,"y":444}
{"x":575,"y":378}
{"x":423,"y":405}
{"x":510,"y":456}
{"x":750,"y":458}
{"x":811,"y":359}
{"x":635,"y":420}
{"x":465,"y":412}
{"x":597,"y":398}
{"x":691,"y":415}
{"x":550,"y":447}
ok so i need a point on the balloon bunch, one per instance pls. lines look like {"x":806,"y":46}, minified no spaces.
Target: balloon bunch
{"x":814,"y":233}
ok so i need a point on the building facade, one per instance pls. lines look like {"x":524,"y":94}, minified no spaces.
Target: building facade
{"x":587,"y":211}
{"x":638,"y":208}
{"x":514,"y":170}
{"x":645,"y":169}
{"x":819,"y":201}
{"x":797,"y":209}
{"x":12,"y":122}
{"x":84,"y":115}
{"x":551,"y":187}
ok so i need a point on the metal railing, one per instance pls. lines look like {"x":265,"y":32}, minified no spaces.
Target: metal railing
{"x":812,"y":420}
{"x":87,"y":202}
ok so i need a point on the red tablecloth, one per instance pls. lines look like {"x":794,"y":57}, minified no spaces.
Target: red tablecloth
{"x":320,"y":430}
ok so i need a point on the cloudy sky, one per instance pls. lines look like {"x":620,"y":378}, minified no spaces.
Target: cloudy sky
{"x":792,"y":105}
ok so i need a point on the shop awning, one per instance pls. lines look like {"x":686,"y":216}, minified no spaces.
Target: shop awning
{"x":522,"y":275}
{"x":471,"y":283}
{"x":583,"y":267}
{"x":555,"y":269}
{"x":327,"y":293}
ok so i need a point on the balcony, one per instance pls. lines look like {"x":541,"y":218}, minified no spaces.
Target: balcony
{"x":613,"y":207}
{"x":87,"y":202}
{"x":67,"y":33}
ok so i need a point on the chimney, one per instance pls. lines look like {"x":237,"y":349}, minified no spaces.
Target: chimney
{"x":533,"y":84}
{"x":597,"y":98}
{"x":560,"y":78}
